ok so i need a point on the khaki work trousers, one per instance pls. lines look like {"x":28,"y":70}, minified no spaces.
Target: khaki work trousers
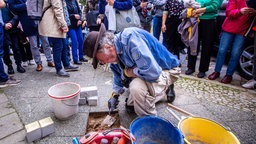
{"x":144,"y":95}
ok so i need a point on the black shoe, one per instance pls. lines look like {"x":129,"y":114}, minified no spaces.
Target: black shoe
{"x":129,"y":109}
{"x":78,"y":63}
{"x":20,"y":69}
{"x":10,"y":69}
{"x":170,"y":94}
{"x":83,"y":60}
{"x":189,"y":71}
{"x":71,"y":68}
{"x":201,"y":75}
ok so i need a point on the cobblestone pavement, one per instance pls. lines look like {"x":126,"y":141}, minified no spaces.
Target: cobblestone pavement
{"x":221,"y":94}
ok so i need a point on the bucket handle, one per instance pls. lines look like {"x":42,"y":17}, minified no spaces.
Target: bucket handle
{"x":124,"y":130}
{"x":69,"y":104}
{"x":179,"y":119}
{"x":180,"y":110}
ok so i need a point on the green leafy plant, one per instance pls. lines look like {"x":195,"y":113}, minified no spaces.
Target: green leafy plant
{"x":83,"y":2}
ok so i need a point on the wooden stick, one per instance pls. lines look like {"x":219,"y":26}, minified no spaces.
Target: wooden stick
{"x":179,"y":110}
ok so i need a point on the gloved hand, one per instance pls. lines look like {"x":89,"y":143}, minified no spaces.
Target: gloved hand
{"x":113,"y":102}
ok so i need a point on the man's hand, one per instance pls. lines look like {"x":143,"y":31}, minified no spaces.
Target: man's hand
{"x":113,"y":102}
{"x":84,"y":24}
{"x":7,"y":26}
{"x":64,"y":29}
{"x":111,"y":2}
{"x":98,"y":21}
{"x":77,"y":16}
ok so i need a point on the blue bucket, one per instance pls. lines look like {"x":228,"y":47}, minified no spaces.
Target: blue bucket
{"x":155,"y":130}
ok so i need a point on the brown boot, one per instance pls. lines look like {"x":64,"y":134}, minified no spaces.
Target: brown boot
{"x":39,"y":67}
{"x":51,"y":64}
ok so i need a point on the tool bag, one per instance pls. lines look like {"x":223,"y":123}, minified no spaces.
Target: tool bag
{"x":123,"y":134}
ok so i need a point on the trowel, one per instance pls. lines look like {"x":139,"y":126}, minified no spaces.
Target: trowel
{"x":108,"y":120}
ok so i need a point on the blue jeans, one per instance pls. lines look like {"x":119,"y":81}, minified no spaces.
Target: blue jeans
{"x":77,"y":43}
{"x":227,"y":41}
{"x":3,"y":75}
{"x":59,"y":52}
{"x":157,"y":28}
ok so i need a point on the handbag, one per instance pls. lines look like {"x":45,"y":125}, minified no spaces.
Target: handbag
{"x":127,"y":18}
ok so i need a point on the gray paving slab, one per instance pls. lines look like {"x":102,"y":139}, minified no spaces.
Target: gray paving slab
{"x":15,"y":138}
{"x":3,"y":98}
{"x":6,"y":108}
{"x":10,"y":124}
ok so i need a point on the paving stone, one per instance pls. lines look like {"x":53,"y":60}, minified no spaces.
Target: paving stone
{"x":10,"y":124}
{"x":3,"y":98}
{"x":15,"y":138}
{"x":6,"y":108}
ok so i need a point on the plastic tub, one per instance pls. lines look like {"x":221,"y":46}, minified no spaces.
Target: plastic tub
{"x":155,"y":130}
{"x":65,"y":98}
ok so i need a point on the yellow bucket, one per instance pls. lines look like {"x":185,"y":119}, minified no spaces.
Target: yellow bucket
{"x":201,"y":131}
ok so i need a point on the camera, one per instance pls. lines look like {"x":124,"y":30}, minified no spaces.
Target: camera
{"x":149,"y":6}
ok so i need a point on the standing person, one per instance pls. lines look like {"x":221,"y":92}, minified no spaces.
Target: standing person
{"x":30,"y":28}
{"x":11,"y":38}
{"x":91,"y":15}
{"x":157,"y":19}
{"x":144,"y":9}
{"x":4,"y":79}
{"x":170,"y":23}
{"x":75,"y":31}
{"x":26,"y":55}
{"x":232,"y":37}
{"x":54,"y":26}
{"x":139,"y":62}
{"x":117,"y":4}
{"x":209,"y":10}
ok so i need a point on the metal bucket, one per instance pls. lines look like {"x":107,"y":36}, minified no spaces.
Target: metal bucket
{"x":155,"y":130}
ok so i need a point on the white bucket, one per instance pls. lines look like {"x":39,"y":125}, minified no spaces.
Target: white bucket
{"x":65,"y":98}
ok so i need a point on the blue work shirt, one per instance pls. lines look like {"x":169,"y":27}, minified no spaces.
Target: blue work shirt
{"x":138,"y":49}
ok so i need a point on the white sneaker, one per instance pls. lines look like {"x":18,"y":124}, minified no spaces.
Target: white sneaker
{"x":24,"y":64}
{"x":31,"y":62}
{"x":250,"y":84}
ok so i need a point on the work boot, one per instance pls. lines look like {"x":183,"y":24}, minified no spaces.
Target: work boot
{"x":170,"y":93}
{"x":10,"y":69}
{"x":20,"y":69}
{"x":129,"y":109}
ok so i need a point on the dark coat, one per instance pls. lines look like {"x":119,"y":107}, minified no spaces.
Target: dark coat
{"x":73,"y":8}
{"x":19,"y":8}
{"x":8,"y":17}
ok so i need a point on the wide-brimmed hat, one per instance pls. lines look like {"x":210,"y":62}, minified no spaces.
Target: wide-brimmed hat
{"x":91,"y":44}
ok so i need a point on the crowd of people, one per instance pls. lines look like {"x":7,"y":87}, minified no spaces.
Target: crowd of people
{"x":138,"y":60}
